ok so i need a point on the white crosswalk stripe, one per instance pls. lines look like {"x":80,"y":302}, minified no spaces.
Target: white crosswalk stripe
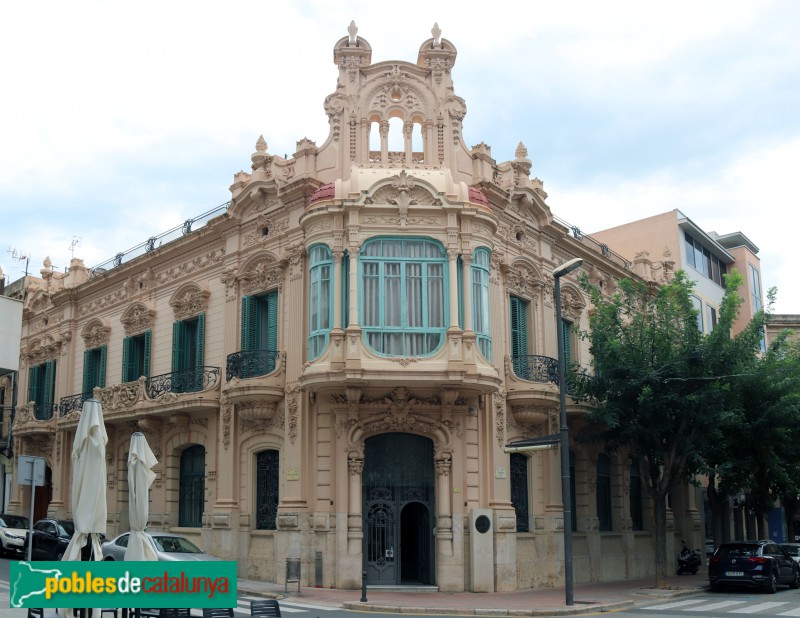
{"x":719,"y":605}
{"x":791,"y":612}
{"x":676,"y":604}
{"x":752,"y":609}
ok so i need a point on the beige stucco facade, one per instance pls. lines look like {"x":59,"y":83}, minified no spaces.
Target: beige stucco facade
{"x":318,"y":231}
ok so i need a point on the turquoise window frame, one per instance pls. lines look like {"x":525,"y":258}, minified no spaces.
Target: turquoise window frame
{"x":481,"y":314}
{"x":434,"y":255}
{"x":320,"y":283}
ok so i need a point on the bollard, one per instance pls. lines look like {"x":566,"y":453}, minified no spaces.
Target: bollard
{"x":363,"y":586}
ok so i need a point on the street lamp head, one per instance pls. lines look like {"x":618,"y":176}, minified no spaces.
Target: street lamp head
{"x":567,"y":267}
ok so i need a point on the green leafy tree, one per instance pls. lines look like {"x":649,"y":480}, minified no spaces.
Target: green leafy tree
{"x":649,"y":389}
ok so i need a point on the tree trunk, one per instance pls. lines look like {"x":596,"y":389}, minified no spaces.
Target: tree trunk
{"x":660,"y":500}
{"x":716,"y":503}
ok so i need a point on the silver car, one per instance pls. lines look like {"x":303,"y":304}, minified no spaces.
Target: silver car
{"x":168,"y":547}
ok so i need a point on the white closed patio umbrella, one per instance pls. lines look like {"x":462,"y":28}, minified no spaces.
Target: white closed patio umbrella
{"x":140,"y":476}
{"x":89,"y":509}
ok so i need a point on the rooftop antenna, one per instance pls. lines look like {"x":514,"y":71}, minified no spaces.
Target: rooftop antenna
{"x":76,"y":241}
{"x":19,"y":256}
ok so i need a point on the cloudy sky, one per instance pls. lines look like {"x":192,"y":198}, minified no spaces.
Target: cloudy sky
{"x":118,"y":121}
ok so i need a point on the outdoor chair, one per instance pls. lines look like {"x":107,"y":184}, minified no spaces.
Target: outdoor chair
{"x":217,"y":612}
{"x":265,"y":607}
{"x":166,"y":612}
{"x":35,"y":613}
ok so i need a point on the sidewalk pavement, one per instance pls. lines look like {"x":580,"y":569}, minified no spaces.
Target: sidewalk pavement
{"x":588,"y":598}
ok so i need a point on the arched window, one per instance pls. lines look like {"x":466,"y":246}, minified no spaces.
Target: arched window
{"x":480,"y":301}
{"x":191,"y":492}
{"x":604,"y":492}
{"x":267,"y":489}
{"x":403,"y":300}
{"x":519,"y":490}
{"x":320,"y":299}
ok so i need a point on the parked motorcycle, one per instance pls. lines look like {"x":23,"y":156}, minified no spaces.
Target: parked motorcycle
{"x":688,"y":560}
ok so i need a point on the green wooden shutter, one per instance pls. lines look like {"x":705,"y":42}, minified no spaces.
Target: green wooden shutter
{"x":101,"y":374}
{"x":146,"y":362}
{"x":126,"y":359}
{"x":248,"y":323}
{"x":33,"y":379}
{"x":177,"y":344}
{"x":566,"y":329}
{"x":199,"y":359}
{"x":88,"y":370}
{"x":49,"y":383}
{"x":272,"y":321}
{"x":519,"y":327}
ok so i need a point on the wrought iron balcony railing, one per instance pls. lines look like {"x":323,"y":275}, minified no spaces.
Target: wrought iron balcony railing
{"x":73,"y":403}
{"x":43,"y":411}
{"x":251,"y":364}
{"x":189,"y":380}
{"x":536,"y":368}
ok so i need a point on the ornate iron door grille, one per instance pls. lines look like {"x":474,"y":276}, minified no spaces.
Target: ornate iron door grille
{"x":192,"y":487}
{"x":399,"y":471}
{"x":267,"y":490}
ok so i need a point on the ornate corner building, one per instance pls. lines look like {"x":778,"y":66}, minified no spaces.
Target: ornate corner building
{"x":330,"y":368}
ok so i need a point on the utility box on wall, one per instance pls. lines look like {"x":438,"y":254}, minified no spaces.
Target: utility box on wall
{"x":481,"y":550}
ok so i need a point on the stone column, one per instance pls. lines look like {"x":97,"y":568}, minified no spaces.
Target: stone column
{"x":452,"y":268}
{"x":355,"y":531}
{"x":444,"y":509}
{"x":466,"y":260}
{"x":384,"y":141}
{"x":337,"y":289}
{"x":408,"y":132}
{"x":352,"y":302}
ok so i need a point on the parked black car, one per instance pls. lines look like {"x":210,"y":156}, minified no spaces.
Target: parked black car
{"x":758,"y":564}
{"x":50,"y":539}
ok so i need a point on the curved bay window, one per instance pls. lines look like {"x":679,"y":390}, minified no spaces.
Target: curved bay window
{"x":267,"y":489}
{"x":191,"y":492}
{"x":480,"y":301}
{"x":403,"y":300}
{"x":320,"y":299}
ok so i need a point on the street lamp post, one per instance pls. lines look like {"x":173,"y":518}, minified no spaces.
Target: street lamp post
{"x":566,"y":498}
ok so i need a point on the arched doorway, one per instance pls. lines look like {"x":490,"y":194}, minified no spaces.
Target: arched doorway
{"x":398,"y":500}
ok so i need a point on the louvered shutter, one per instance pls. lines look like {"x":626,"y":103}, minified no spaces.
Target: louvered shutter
{"x":33,"y":379}
{"x":519,"y":327}
{"x":566,"y":328}
{"x":49,"y":384}
{"x":126,"y":360}
{"x":199,"y":359}
{"x":272,"y":321}
{"x":101,"y":373}
{"x":88,"y":370}
{"x":177,"y":345}
{"x":146,"y":361}
{"x":248,"y":323}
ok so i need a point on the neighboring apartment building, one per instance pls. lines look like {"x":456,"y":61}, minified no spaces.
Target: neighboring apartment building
{"x":678,"y":243}
{"x":330,"y":367}
{"x":681,"y":244}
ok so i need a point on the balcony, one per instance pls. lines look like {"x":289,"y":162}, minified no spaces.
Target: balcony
{"x":532,"y":388}
{"x":34,"y":418}
{"x":73,"y":403}
{"x":251,"y":364}
{"x":255,"y":375}
{"x":188,"y":390}
{"x":189,"y":380}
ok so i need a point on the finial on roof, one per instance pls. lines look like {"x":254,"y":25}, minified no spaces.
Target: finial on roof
{"x":521,"y":152}
{"x":437,"y":35}
{"x":261,"y":144}
{"x":352,"y":30}
{"x":48,"y":263}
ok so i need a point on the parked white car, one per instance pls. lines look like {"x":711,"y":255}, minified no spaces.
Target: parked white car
{"x":13,"y":530}
{"x":168,"y":547}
